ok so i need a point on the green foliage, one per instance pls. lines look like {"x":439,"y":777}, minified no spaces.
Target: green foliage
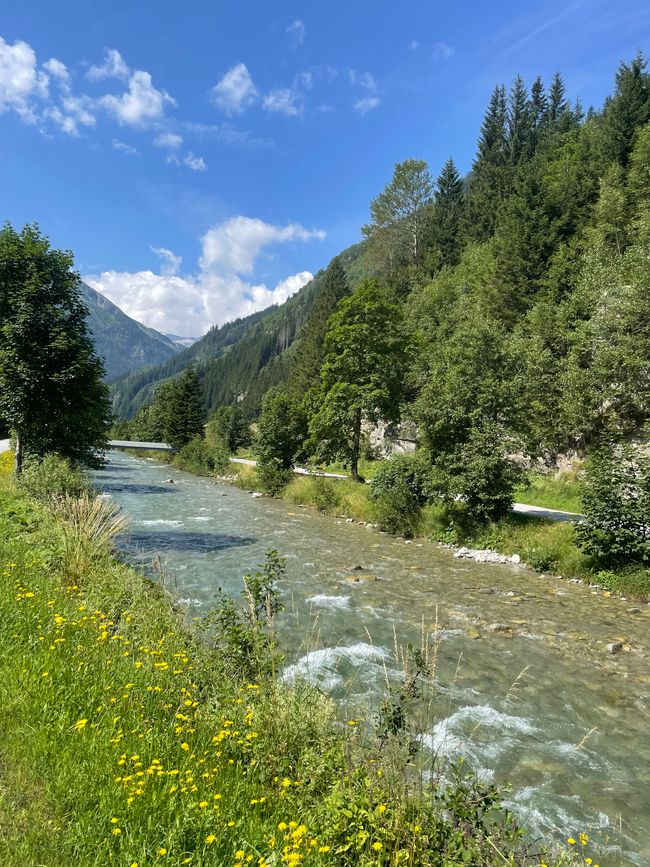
{"x":51,"y":390}
{"x":281,"y":434}
{"x":228,"y":426}
{"x":362,"y":373}
{"x":202,"y":457}
{"x":616,"y":500}
{"x":243,"y":634}
{"x":398,"y":491}
{"x":52,"y":476}
{"x":325,"y":494}
{"x":182,"y":409}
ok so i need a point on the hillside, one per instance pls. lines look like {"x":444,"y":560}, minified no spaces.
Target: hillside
{"x":241,"y":359}
{"x":124,"y":344}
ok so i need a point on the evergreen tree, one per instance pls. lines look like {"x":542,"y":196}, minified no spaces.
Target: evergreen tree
{"x":51,"y":390}
{"x":489,"y":182}
{"x":520,"y":123}
{"x":184,"y":409}
{"x":448,"y":215}
{"x":361,"y":378}
{"x":558,"y":104}
{"x":228,"y":426}
{"x":538,"y":108}
{"x":308,"y":359}
{"x":627,"y":111}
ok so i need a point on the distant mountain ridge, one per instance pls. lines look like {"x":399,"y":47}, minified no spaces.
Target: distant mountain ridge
{"x":241,"y":360}
{"x":124,"y":344}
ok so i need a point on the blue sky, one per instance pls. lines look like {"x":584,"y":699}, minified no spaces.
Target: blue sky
{"x":202,"y":159}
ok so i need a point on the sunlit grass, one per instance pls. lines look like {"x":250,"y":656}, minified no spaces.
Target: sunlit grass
{"x":551,"y":492}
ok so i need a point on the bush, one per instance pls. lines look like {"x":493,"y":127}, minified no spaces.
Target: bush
{"x":271,"y":476}
{"x":50,"y":477}
{"x":398,"y":492}
{"x":616,"y":504}
{"x":202,"y":458}
{"x":324,"y":494}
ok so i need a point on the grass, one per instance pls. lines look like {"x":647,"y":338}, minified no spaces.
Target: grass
{"x":125,"y":740}
{"x":552,"y":492}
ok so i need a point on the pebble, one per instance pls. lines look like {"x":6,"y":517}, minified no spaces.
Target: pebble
{"x":256,"y":494}
{"x":614,"y":647}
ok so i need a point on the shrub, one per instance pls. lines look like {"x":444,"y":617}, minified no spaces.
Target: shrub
{"x":50,"y":477}
{"x":616,"y":504}
{"x":398,"y":492}
{"x":271,"y":476}
{"x":324,"y":494}
{"x":202,"y":458}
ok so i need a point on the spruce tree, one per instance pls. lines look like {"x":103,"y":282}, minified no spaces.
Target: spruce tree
{"x":308,"y":359}
{"x":627,"y":111}
{"x":558,"y":104}
{"x":538,"y":108}
{"x":520,"y":123}
{"x":447,"y":216}
{"x":488,"y":182}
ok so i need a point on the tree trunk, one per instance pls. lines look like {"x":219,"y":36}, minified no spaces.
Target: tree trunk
{"x":356,"y":442}
{"x":18,"y":464}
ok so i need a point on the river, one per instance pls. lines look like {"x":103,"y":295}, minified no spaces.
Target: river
{"x":571,"y":735}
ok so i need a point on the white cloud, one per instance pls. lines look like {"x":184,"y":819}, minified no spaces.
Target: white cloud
{"x":363,"y":79}
{"x":297,"y":32}
{"x":20,"y":80}
{"x":442,"y":51}
{"x":125,"y":148}
{"x":227,"y":134}
{"x":368,"y":103}
{"x":58,"y":70}
{"x":140,"y":104}
{"x":170,"y":262}
{"x":284,"y":100}
{"x":236,"y":91}
{"x":114,"y":66}
{"x":168,"y":140}
{"x":235,"y":244}
{"x":189,"y":305}
{"x":197,"y":164}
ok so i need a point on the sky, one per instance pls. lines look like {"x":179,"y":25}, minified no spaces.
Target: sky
{"x":203,"y":159}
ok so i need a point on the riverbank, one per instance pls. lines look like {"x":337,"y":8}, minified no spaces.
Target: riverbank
{"x":546,"y":546}
{"x":126,"y":740}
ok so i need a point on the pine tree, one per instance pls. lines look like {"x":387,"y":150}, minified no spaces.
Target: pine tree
{"x":308,"y":359}
{"x":488,"y":182}
{"x":51,"y":390}
{"x":447,"y":215}
{"x":558,"y":104}
{"x":538,"y":109}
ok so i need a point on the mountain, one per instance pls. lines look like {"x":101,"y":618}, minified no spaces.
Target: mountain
{"x":124,"y":344}
{"x":182,"y":341}
{"x":240,"y":360}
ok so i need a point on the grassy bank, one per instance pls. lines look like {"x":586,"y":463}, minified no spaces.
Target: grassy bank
{"x":125,"y":740}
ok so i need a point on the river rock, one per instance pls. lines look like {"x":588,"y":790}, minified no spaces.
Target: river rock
{"x":634,"y":611}
{"x":614,"y":647}
{"x":256,"y":494}
{"x":170,"y":482}
{"x":516,"y":559}
{"x":472,"y":632}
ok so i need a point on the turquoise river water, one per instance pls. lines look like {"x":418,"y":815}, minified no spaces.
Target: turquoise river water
{"x":571,"y":737}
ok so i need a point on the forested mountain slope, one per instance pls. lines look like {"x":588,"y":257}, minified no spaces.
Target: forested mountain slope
{"x":124,"y":344}
{"x":240,"y":360}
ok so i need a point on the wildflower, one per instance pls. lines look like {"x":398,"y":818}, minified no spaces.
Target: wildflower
{"x":162,"y":851}
{"x":116,"y":831}
{"x":80,"y":724}
{"x":381,"y":808}
{"x":583,"y":839}
{"x":185,"y":746}
{"x":239,"y":854}
{"x":324,"y":849}
{"x":571,"y":841}
{"x":377,"y":846}
{"x":210,"y":838}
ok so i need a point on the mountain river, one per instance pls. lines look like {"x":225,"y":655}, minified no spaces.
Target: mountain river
{"x":527,"y":690}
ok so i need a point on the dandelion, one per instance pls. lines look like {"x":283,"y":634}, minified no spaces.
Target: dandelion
{"x":571,"y":841}
{"x":239,"y":854}
{"x":377,"y":846}
{"x":162,"y":851}
{"x":116,"y":831}
{"x":324,"y":849}
{"x":210,"y":838}
{"x":583,"y":839}
{"x":80,"y":724}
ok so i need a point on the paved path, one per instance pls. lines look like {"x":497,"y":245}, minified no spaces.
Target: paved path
{"x":301,"y":471}
{"x":4,"y":446}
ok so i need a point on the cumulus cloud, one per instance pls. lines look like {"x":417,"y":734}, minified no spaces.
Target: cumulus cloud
{"x":20,"y":80}
{"x":114,"y":66}
{"x":284,"y":100}
{"x":219,"y":292}
{"x":442,"y":51}
{"x":297,"y":32}
{"x":141,"y":104}
{"x":58,"y":70}
{"x":170,"y":262}
{"x":236,"y":91}
{"x":368,"y":103}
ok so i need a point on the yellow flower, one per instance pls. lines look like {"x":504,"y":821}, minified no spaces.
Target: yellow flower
{"x":377,"y":846}
{"x":323,"y":848}
{"x":588,"y":861}
{"x":583,"y":839}
{"x":210,"y":838}
{"x":185,"y":746}
{"x":116,"y":831}
{"x":381,"y":808}
{"x":80,"y":724}
{"x":571,"y":841}
{"x":239,"y":853}
{"x":162,"y":851}
{"x":114,"y":820}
